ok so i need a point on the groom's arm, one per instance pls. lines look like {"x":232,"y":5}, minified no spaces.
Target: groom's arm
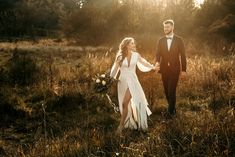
{"x":158,"y":54}
{"x":182,"y":55}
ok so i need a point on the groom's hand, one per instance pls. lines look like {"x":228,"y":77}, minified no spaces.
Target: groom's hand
{"x":183,"y":75}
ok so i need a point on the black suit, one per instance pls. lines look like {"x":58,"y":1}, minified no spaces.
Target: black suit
{"x":171,"y":63}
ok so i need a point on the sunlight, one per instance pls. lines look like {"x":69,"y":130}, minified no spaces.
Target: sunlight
{"x":120,"y":2}
{"x":198,"y":3}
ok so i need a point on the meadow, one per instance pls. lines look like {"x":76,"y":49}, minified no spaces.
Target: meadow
{"x":49,"y":107}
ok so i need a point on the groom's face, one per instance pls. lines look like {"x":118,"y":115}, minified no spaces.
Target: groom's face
{"x":168,"y":28}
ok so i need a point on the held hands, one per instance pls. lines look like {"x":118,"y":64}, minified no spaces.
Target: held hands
{"x":153,"y":67}
{"x":156,"y":67}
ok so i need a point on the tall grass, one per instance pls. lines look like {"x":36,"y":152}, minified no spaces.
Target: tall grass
{"x":61,"y":115}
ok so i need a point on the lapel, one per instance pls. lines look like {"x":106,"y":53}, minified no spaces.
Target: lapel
{"x":165,"y":45}
{"x":172,"y":43}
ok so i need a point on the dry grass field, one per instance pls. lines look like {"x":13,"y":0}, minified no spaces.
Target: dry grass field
{"x":49,"y":108}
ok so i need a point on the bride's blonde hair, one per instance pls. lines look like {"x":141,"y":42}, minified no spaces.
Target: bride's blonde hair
{"x":122,"y":52}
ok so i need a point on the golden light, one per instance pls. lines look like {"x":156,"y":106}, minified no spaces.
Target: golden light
{"x":198,"y":3}
{"x":120,"y":1}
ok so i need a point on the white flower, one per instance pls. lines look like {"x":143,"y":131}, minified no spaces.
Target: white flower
{"x":97,"y":81}
{"x":103,"y":82}
{"x":103,"y":75}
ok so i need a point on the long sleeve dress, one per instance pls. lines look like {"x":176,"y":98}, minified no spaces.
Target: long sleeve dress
{"x":138,"y":105}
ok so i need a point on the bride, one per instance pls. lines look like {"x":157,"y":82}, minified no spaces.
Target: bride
{"x":132,"y":101}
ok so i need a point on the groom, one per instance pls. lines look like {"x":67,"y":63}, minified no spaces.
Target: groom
{"x":171,"y":63}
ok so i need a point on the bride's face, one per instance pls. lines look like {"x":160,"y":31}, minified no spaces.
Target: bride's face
{"x":131,"y":45}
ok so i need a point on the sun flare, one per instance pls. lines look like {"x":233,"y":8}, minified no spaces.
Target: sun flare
{"x":198,"y":2}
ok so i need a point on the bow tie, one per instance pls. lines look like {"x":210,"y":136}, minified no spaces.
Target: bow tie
{"x":168,"y":38}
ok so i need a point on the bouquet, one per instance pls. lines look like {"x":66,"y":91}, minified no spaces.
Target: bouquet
{"x":101,"y":85}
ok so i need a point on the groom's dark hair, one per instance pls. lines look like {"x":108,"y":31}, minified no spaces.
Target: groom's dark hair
{"x":169,"y":22}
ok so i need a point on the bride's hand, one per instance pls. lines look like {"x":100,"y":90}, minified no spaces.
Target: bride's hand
{"x":153,"y":68}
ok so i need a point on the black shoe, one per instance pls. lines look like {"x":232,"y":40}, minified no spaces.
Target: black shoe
{"x":172,"y":112}
{"x":166,"y":115}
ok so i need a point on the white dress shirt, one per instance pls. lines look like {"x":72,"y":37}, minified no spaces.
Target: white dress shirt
{"x":169,"y":41}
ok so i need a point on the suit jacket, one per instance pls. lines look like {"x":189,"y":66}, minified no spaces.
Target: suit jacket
{"x":173,"y":60}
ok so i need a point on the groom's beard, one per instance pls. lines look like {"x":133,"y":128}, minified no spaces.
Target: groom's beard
{"x":168,"y":33}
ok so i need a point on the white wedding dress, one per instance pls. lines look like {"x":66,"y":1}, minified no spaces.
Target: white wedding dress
{"x":138,"y":105}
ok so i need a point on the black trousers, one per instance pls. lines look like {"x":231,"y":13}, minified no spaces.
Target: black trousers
{"x":170,"y":81}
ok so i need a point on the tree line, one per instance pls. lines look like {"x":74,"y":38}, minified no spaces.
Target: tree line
{"x":99,"y":21}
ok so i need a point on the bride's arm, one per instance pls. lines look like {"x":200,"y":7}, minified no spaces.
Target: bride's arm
{"x":145,"y":63}
{"x":115,"y":68}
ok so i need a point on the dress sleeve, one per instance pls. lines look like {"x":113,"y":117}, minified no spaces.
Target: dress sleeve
{"x":144,"y":65}
{"x":115,"y":68}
